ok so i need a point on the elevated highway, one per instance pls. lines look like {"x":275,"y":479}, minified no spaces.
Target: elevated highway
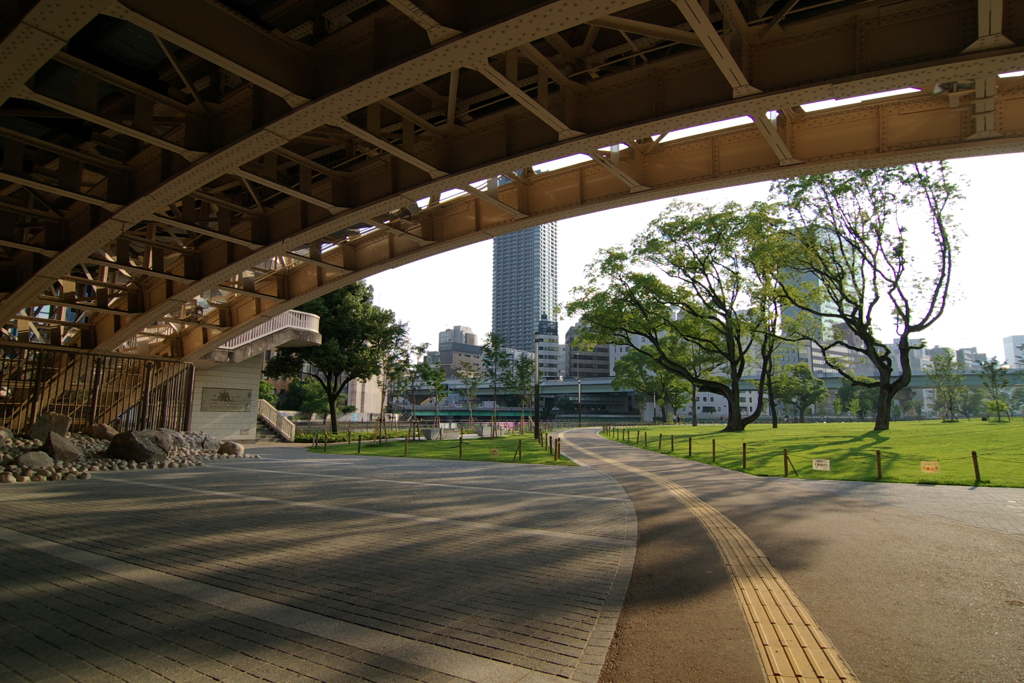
{"x":176,"y":173}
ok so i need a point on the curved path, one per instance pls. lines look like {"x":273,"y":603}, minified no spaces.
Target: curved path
{"x":900,"y":595}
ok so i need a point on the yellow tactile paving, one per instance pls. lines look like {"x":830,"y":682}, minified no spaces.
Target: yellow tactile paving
{"x":791,"y":645}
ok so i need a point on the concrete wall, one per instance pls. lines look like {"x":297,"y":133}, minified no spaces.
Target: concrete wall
{"x":233,"y":426}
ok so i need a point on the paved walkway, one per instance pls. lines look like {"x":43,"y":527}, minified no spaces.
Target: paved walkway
{"x":735,"y":576}
{"x":301,"y":567}
{"x":983,"y":507}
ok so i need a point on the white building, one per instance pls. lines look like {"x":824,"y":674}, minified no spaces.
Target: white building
{"x":1012,"y":352}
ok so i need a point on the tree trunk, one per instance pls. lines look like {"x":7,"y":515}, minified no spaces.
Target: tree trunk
{"x":332,"y":402}
{"x":735,"y":422}
{"x":803,"y":409}
{"x":494,"y":410}
{"x":771,"y":403}
{"x":885,"y":398}
{"x":693,"y":405}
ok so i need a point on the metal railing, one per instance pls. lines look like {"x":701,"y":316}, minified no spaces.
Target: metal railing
{"x":126,"y":393}
{"x":289,"y":319}
{"x":277,"y":420}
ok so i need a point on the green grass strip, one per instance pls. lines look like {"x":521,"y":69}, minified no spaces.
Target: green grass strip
{"x":500,"y":449}
{"x":851,"y":446}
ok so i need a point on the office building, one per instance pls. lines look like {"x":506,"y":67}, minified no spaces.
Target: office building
{"x":595,"y":362}
{"x":525,"y":283}
{"x":547,"y":345}
{"x":456,"y":335}
{"x":1012,"y":352}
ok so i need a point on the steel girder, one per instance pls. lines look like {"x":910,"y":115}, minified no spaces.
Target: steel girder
{"x":173,"y":178}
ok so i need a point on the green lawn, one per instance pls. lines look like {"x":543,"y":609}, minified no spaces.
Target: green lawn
{"x":851,"y":449}
{"x":472,"y":449}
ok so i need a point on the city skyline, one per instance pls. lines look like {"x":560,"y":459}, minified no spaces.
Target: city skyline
{"x":984,"y":304}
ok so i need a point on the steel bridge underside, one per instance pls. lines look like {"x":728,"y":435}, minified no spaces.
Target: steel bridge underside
{"x":175,"y":173}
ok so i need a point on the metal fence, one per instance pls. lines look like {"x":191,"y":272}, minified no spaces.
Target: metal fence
{"x":126,"y":393}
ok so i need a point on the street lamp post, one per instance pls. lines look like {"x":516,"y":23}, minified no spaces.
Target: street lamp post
{"x":579,"y":400}
{"x":536,"y":390}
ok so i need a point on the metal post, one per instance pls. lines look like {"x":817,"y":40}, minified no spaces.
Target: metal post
{"x":38,"y":386}
{"x":878,"y":462}
{"x":579,"y":401}
{"x":713,"y":450}
{"x":189,"y":397}
{"x":147,"y":387}
{"x":977,"y":472}
{"x":536,"y":391}
{"x":97,"y":380}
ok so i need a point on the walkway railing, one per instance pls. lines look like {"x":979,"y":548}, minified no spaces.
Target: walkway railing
{"x":277,"y":420}
{"x":289,"y":319}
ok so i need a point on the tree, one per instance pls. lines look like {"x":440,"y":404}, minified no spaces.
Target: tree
{"x":971,"y":403}
{"x":393,"y":374}
{"x":307,"y":396}
{"x":497,"y":363}
{"x":638,"y":372}
{"x":797,"y":385}
{"x":433,"y":377}
{"x":471,"y":376}
{"x":1016,"y":401}
{"x":520,"y":382}
{"x":355,"y":334}
{"x":995,"y":380}
{"x":857,"y":398}
{"x":267,"y":392}
{"x":947,"y":379}
{"x":691,"y":277}
{"x":851,"y":256}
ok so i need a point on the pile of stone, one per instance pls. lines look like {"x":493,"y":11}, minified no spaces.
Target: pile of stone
{"x":48,"y":452}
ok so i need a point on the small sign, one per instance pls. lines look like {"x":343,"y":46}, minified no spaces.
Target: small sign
{"x":494,"y":452}
{"x":823,"y":464}
{"x":225,"y":400}
{"x":930,"y":466}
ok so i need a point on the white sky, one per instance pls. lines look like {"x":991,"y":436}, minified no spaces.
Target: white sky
{"x":454,"y":288}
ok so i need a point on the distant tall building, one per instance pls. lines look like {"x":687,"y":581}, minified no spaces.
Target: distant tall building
{"x":455,"y":335}
{"x":525,"y":283}
{"x":1012,"y":352}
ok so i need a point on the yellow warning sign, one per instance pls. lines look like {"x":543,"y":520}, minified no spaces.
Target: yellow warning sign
{"x":930,"y":466}
{"x":494,"y":452}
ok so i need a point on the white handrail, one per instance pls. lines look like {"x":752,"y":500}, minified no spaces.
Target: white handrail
{"x":294,"y":319}
{"x":277,"y":420}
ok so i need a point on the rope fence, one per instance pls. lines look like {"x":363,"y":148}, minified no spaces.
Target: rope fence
{"x":785,"y":460}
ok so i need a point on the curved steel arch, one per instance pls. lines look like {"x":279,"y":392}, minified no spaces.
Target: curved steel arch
{"x":237,"y":176}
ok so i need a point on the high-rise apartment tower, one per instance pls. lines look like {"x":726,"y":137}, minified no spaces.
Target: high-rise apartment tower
{"x":525,"y":283}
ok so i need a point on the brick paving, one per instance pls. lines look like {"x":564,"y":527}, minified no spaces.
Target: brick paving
{"x":984,"y":507}
{"x":300,"y":567}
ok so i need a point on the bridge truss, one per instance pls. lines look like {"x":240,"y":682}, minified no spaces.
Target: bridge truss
{"x":175,"y":173}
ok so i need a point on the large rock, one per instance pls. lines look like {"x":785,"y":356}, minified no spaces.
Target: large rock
{"x":105,"y":432}
{"x":34,"y":460}
{"x":62,"y":448}
{"x":176,"y":437}
{"x":140,"y":446}
{"x":160,"y":437}
{"x":6,"y":433}
{"x":210,"y":443}
{"x":231,"y":448}
{"x":49,"y":422}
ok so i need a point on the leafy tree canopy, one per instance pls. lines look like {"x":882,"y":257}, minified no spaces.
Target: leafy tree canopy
{"x":864,"y":247}
{"x":355,"y":335}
